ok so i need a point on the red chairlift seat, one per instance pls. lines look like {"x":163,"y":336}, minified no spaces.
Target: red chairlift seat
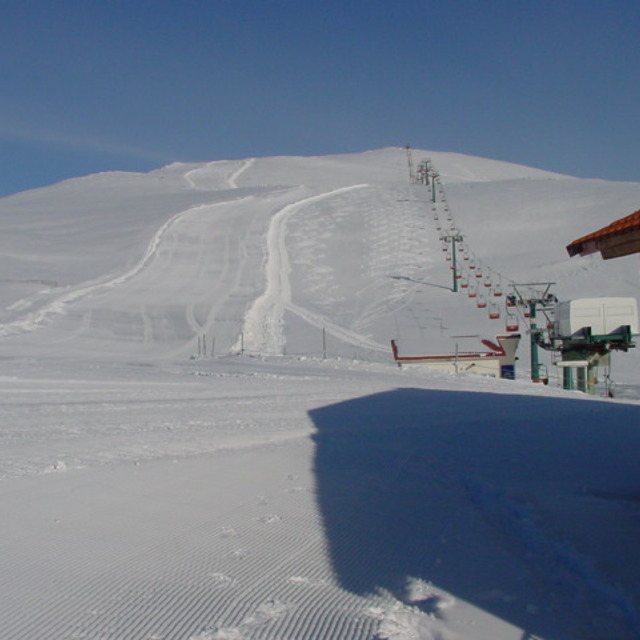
{"x":494,"y":311}
{"x":482,"y":302}
{"x":472,"y":292}
{"x":512,"y":322}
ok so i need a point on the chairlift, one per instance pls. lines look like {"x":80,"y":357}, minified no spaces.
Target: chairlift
{"x":482,"y":302}
{"x":472,"y":264}
{"x":487,"y":282}
{"x":497,"y":290}
{"x":511,"y":301}
{"x":464,"y":282}
{"x":473,"y":292}
{"x":479,"y":273}
{"x":494,"y":311}
{"x":512,"y":322}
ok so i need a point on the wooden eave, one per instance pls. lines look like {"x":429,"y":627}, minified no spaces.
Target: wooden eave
{"x":620,"y":238}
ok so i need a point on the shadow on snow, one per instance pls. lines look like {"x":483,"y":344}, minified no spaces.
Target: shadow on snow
{"x":525,"y":507}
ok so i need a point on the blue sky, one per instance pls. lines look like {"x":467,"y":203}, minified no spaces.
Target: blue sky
{"x":134,"y":84}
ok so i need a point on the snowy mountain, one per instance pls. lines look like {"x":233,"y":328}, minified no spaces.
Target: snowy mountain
{"x":205,"y":437}
{"x":291,"y":255}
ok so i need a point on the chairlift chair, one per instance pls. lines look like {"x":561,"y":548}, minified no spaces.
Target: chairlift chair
{"x":512,"y":322}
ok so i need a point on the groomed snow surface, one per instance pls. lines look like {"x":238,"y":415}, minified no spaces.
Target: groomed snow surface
{"x":204,"y":437}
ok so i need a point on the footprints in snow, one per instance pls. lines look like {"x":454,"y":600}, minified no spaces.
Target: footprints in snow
{"x":249,"y":622}
{"x":222,"y":580}
{"x":416,"y":614}
{"x":267,"y":612}
{"x":270,"y":518}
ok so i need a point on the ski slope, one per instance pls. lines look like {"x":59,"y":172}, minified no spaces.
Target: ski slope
{"x":291,"y":255}
{"x":204,"y":437}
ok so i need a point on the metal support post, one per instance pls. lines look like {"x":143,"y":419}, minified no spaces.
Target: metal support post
{"x":535,"y":362}
{"x":454,"y":264}
{"x":567,"y":379}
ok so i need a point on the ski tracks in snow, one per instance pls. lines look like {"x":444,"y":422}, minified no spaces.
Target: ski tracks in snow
{"x":59,"y":306}
{"x":263,"y":324}
{"x":233,"y":178}
{"x":210,"y":176}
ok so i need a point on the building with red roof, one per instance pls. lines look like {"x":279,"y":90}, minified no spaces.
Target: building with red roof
{"x":620,"y":238}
